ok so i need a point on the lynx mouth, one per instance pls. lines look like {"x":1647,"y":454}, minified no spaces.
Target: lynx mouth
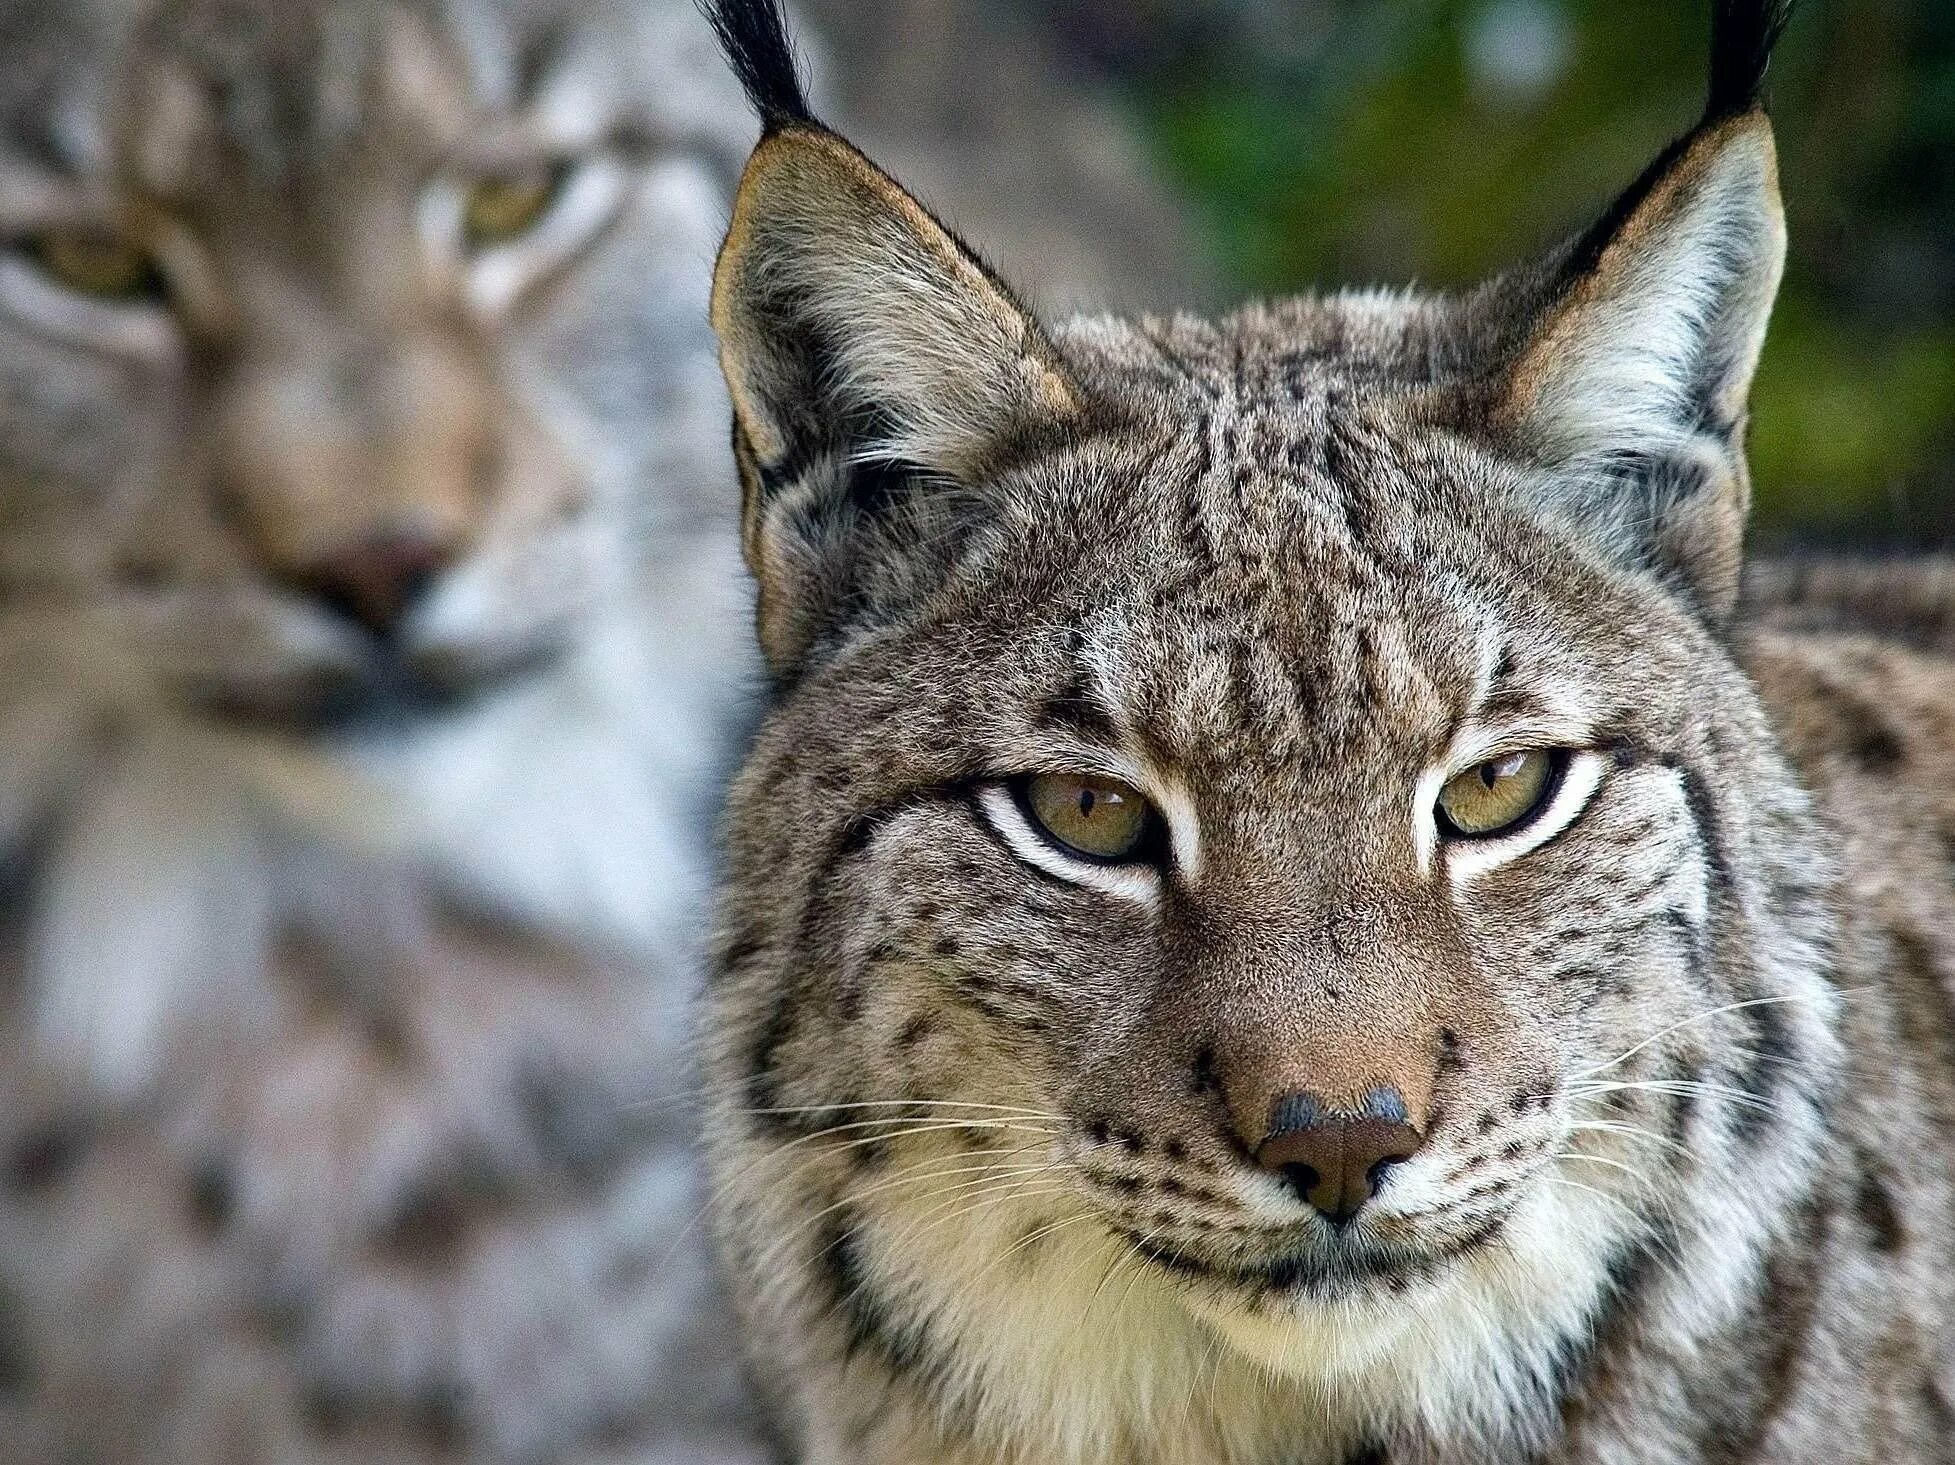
{"x":384,"y":693}
{"x":1317,"y":1269}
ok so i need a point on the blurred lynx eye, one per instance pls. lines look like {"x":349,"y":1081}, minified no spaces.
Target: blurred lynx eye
{"x":504,"y":207}
{"x":1498,"y":795}
{"x":96,"y":263}
{"x":1096,"y":818}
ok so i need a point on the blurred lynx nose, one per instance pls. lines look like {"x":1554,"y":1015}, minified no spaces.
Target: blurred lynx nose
{"x":358,"y":477}
{"x":377,"y":580}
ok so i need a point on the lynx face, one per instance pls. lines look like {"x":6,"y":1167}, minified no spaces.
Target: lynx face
{"x":1261,"y":875}
{"x":333,"y":337}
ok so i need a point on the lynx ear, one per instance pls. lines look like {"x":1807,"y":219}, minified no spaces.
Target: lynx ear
{"x":872,"y":359}
{"x":1634,"y":378}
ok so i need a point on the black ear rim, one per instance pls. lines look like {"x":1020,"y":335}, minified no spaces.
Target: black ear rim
{"x":754,"y":36}
{"x":1744,"y":34}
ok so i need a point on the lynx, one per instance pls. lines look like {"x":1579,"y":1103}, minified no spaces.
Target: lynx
{"x":1281,"y":913}
{"x":370,"y":643}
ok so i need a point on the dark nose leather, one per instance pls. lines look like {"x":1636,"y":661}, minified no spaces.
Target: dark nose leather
{"x":378,"y":580}
{"x":1334,"y":1158}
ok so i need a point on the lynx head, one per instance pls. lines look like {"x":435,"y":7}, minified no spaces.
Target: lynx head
{"x":338,"y":337}
{"x":1277,"y":788}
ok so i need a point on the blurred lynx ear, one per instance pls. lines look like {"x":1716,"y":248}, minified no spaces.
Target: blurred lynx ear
{"x":1635,"y":377}
{"x":868,"y":351}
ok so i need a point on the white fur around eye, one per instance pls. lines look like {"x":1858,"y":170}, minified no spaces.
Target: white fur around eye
{"x":1138,"y":883}
{"x":1465,"y":858}
{"x":136,"y":328}
{"x":495,"y":278}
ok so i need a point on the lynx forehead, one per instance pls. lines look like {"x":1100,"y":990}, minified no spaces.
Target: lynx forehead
{"x":1269,"y":922}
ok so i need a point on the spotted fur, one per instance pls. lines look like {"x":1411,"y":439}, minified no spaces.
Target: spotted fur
{"x":1684,"y":1193}
{"x":342,"y":1054}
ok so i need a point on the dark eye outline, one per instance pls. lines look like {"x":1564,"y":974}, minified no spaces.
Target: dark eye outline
{"x":559,"y":174}
{"x":1559,"y":762}
{"x":150,"y":287}
{"x":1149,"y":848}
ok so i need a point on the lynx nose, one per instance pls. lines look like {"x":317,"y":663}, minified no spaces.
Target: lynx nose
{"x":377,"y":580}
{"x":1334,"y":1158}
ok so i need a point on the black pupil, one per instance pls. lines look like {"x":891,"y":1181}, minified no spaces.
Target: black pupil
{"x":1088,"y":801}
{"x":1489,"y":774}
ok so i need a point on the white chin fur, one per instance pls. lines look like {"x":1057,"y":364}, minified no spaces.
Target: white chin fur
{"x":1476,"y":1345}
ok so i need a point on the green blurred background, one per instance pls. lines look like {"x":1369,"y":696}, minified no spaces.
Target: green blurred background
{"x":1324,"y":142}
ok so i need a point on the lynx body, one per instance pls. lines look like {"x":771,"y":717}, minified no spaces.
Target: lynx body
{"x":371,"y":637}
{"x":1281,"y":914}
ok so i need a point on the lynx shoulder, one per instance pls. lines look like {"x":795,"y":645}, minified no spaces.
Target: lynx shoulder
{"x":1281,"y":912}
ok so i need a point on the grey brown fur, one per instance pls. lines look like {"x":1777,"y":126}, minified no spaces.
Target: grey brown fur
{"x":1685,"y":1193}
{"x":342,"y":978}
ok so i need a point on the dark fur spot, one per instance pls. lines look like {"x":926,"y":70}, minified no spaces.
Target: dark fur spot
{"x":1203,"y":1076}
{"x":327,"y":1411}
{"x":45,"y":1157}
{"x":438,"y":1416}
{"x":212,"y":1198}
{"x":762,"y":1096}
{"x":916,"y":1030}
{"x":16,"y":1367}
{"x":736,"y":954}
{"x":946,"y":946}
{"x":1766,"y":1070}
{"x":1077,"y":710}
{"x":1875,"y":1208}
{"x":902,"y":1346}
{"x":868,"y":1154}
{"x":1868,"y":735}
{"x":1703,"y":813}
{"x":1683,"y":1109}
{"x":1940,"y":1411}
{"x":428,"y":1228}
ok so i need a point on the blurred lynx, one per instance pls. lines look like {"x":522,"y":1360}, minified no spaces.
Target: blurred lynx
{"x":369,"y":625}
{"x":1278,"y":915}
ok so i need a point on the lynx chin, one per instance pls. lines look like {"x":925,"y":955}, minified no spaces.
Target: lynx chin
{"x":1282,"y":913}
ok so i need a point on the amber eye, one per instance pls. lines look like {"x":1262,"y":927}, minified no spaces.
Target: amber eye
{"x":1096,"y":818}
{"x":505,"y":206}
{"x":97,"y":263}
{"x":1499,"y":794}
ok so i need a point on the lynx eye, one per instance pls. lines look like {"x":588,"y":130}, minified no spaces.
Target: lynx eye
{"x":1499,"y":795}
{"x":97,"y":263}
{"x":502,"y":207}
{"x":1095,"y":818}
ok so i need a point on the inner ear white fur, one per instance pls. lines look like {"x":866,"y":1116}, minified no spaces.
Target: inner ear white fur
{"x":1674,"y":310}
{"x":916,"y":329}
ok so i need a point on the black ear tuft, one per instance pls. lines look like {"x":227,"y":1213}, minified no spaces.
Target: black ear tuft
{"x":1743,"y":33}
{"x":754,"y":36}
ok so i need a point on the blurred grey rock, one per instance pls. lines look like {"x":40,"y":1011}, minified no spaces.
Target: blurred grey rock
{"x":977,"y":107}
